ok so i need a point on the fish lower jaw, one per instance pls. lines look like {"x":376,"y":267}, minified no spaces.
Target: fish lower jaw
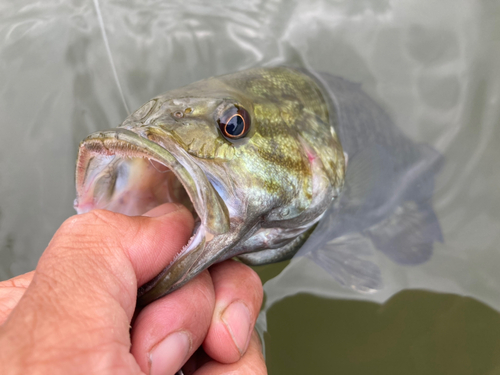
{"x":123,"y":172}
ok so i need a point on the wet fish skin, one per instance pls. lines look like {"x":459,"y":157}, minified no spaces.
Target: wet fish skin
{"x":386,"y":201}
{"x":258,"y":197}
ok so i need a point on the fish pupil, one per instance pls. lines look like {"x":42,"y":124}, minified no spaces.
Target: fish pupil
{"x":235,"y":126}
{"x":234,"y":123}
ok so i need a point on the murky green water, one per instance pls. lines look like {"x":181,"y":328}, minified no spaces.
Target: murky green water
{"x":432,"y":65}
{"x":414,"y":332}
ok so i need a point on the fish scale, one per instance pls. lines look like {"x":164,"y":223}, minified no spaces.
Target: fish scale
{"x":261,"y":193}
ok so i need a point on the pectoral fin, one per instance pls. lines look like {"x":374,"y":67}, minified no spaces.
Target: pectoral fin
{"x":345,"y":258}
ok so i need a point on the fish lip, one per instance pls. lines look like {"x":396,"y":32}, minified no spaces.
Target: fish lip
{"x":210,"y":208}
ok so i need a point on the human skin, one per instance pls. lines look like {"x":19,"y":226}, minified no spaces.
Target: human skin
{"x":75,"y":312}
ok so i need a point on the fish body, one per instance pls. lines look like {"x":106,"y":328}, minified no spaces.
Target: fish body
{"x":386,"y":201}
{"x":254,"y":155}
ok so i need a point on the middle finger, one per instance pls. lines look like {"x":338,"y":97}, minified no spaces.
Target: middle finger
{"x":168,"y":331}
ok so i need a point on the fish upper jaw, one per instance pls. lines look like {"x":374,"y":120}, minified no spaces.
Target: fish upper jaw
{"x":120,"y":166}
{"x":100,"y":150}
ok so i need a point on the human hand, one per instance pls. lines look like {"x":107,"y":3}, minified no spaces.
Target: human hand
{"x":72,"y":315}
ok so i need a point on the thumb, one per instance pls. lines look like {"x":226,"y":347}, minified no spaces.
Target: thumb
{"x":83,"y":293}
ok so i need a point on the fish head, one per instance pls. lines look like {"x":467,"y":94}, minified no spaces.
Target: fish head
{"x":253,"y":155}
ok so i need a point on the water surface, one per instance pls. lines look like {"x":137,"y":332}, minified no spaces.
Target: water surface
{"x":68,"y":68}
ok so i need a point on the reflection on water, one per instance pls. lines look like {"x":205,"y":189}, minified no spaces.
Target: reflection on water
{"x":432,"y":66}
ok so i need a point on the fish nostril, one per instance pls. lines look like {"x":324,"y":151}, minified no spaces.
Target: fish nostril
{"x":144,"y":130}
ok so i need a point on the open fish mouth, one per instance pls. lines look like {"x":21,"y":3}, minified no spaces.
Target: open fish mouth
{"x":122,"y":171}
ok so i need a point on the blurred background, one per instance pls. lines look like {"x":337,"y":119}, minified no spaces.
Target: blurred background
{"x":68,"y":68}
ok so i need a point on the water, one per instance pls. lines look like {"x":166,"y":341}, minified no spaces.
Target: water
{"x":431,"y":65}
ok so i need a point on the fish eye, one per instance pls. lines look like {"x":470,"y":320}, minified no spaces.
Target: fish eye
{"x":234,"y":123}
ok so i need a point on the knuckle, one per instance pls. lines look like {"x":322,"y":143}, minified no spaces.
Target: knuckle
{"x":90,"y":233}
{"x":92,"y":223}
{"x":251,"y":280}
{"x":252,"y":277}
{"x":239,"y":280}
{"x":97,"y":217}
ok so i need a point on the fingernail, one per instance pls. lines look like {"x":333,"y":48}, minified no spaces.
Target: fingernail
{"x":163,"y":209}
{"x":168,"y":356}
{"x":237,"y":319}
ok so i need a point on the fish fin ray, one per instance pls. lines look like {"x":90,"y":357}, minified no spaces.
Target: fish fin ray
{"x":408,"y":235}
{"x":344,"y":258}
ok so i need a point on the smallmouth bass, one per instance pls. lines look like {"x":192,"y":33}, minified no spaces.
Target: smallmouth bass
{"x":254,"y":155}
